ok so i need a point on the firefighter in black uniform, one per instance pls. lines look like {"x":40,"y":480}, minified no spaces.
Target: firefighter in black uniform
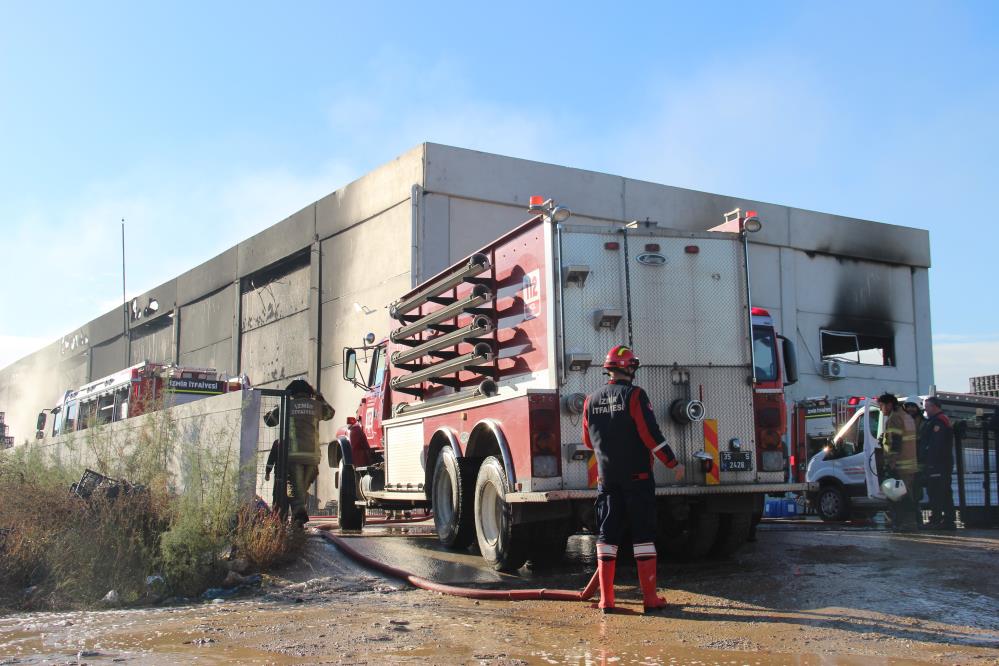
{"x":306,"y":408}
{"x":937,"y":437}
{"x":618,"y":424}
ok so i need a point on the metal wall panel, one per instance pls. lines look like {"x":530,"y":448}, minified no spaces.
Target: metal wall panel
{"x":207,"y":321}
{"x":404,"y":455}
{"x":153,"y":343}
{"x":107,"y":358}
{"x":275,"y":299}
{"x":217,"y":355}
{"x":277,"y":351}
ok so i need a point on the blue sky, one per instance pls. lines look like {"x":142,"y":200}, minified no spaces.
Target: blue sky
{"x":218,"y":119}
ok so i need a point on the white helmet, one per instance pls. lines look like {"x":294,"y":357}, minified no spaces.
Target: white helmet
{"x":894,"y":489}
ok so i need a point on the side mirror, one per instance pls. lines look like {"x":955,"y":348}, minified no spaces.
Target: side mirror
{"x":40,"y":423}
{"x":349,"y":364}
{"x":790,"y":361}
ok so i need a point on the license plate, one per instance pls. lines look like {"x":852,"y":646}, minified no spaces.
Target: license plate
{"x":736,"y":461}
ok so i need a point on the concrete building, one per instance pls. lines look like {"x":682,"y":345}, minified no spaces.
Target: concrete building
{"x":283,"y":303}
{"x":985,"y":385}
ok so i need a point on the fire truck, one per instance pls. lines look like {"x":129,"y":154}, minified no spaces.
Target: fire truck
{"x":473,"y":404}
{"x":136,"y":390}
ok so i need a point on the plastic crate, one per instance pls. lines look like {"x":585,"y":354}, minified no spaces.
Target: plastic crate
{"x":790,"y":508}
{"x":774,"y":508}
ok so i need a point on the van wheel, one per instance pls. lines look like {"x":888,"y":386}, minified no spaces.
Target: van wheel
{"x":832,"y":504}
{"x":502,"y":544}
{"x":452,"y":501}
{"x":348,"y":514}
{"x":733,"y":531}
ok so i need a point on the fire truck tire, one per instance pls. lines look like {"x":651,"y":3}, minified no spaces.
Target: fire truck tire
{"x":548,"y":543}
{"x":502,"y":543}
{"x":733,"y":531}
{"x":452,"y":499}
{"x":348,"y":514}
{"x":701,"y":533}
{"x":831,"y":503}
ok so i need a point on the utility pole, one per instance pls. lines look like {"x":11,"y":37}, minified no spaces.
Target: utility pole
{"x":124,"y":300}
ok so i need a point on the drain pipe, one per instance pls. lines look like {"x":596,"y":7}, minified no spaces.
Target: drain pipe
{"x":453,"y":590}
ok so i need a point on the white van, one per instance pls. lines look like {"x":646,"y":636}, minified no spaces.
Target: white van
{"x":846,"y":470}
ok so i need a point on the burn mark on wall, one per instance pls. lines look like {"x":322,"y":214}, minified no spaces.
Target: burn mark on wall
{"x":276,"y":292}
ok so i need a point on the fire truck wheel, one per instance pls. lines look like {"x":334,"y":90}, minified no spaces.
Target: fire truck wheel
{"x":547,"y":545}
{"x":701,"y":533}
{"x":832,"y":504}
{"x":452,"y":501}
{"x":348,"y":514}
{"x":733,"y":531}
{"x":502,"y":544}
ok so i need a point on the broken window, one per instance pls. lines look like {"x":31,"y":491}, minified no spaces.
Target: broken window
{"x":850,"y":347}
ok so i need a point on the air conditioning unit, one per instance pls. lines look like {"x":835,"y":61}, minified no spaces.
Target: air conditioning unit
{"x":832,"y":369}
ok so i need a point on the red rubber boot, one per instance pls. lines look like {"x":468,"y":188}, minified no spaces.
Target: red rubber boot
{"x":606,"y":566}
{"x":647,"y":579}
{"x":606,"y":572}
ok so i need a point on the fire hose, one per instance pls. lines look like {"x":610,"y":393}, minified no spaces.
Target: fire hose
{"x":454,"y":590}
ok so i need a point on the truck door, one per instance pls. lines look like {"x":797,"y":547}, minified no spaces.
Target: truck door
{"x":873,"y":423}
{"x":377,"y":406}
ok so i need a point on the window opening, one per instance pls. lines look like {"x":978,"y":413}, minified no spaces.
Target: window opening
{"x":850,"y":347}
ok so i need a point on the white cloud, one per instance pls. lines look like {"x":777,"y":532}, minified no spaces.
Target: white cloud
{"x":955,"y":362}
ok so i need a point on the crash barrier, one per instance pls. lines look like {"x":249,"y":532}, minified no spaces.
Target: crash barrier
{"x":454,"y":590}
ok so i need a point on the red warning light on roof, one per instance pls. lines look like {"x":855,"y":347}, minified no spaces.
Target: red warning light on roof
{"x":760,"y":312}
{"x":751,"y":213}
{"x":537,"y":200}
{"x":854,"y":400}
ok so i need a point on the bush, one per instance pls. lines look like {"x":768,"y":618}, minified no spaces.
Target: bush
{"x":264,"y":541}
{"x":70,"y":552}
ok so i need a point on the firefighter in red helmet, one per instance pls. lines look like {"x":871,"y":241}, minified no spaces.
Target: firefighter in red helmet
{"x":620,"y":427}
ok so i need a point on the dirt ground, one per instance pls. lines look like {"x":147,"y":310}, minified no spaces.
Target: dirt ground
{"x":802,"y":594}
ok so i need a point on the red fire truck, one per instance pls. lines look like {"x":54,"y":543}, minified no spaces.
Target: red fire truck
{"x":473,"y":405}
{"x":142,"y":388}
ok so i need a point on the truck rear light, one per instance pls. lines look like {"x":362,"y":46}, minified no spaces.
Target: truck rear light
{"x":691,"y":249}
{"x":612,"y":245}
{"x":546,"y":441}
{"x":544,"y":466}
{"x":652,"y":247}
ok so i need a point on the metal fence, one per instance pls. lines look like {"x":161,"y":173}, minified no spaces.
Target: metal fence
{"x":270,"y":432}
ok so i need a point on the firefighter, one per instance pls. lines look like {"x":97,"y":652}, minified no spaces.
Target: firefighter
{"x":306,"y":408}
{"x":618,"y":424}
{"x":898,"y":440}
{"x":274,"y":463}
{"x":937,"y":437}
